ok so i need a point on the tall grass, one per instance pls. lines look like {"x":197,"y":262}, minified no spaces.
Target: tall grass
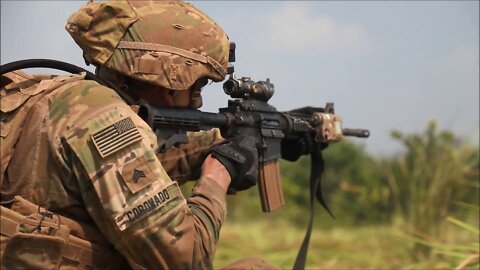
{"x":436,"y":171}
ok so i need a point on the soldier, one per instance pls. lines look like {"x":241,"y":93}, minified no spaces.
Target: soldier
{"x":81,"y":185}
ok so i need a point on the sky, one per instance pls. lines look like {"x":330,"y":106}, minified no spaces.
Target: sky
{"x":385,"y":64}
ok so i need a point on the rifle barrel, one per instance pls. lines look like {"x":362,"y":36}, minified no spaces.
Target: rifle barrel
{"x":361,"y":133}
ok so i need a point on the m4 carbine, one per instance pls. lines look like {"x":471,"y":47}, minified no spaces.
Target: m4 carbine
{"x":250,"y":114}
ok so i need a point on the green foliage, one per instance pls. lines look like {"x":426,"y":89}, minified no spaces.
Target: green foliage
{"x":421,"y":208}
{"x":353,"y":183}
{"x":436,"y":171}
{"x":460,"y":246}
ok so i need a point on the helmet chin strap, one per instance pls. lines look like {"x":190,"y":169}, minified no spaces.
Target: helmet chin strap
{"x":196,"y":100}
{"x":196,"y":95}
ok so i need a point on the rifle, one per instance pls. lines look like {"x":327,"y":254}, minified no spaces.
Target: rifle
{"x":249,"y":113}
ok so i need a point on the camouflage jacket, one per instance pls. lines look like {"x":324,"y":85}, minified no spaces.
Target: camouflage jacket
{"x":80,"y":151}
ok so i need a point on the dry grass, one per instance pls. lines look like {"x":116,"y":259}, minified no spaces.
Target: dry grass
{"x":342,"y":248}
{"x":371,"y":247}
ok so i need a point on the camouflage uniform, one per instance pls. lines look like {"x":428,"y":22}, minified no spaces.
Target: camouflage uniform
{"x":77,"y":149}
{"x":127,"y":194}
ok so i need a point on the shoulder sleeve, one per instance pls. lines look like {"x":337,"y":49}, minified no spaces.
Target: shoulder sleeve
{"x":124,"y":187}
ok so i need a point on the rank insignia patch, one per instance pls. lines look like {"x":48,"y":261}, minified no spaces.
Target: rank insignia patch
{"x":137,"y":175}
{"x":115,"y":137}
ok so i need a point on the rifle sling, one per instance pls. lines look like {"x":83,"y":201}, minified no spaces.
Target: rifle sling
{"x":316,"y":170}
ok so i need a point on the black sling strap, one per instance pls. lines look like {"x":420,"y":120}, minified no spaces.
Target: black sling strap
{"x":316,"y":170}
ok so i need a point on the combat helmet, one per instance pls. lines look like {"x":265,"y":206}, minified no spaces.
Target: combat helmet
{"x":167,"y":43}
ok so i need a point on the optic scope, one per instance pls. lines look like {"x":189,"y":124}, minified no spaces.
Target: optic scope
{"x":246,"y":88}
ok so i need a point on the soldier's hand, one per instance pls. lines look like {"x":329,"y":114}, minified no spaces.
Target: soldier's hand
{"x":240,"y":157}
{"x":293,"y":149}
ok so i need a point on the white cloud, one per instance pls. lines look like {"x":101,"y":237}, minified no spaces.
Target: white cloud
{"x":295,"y":28}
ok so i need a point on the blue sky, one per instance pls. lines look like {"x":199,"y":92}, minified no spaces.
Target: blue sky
{"x":386,"y":64}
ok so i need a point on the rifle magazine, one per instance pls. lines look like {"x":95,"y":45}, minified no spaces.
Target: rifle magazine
{"x":270,"y":186}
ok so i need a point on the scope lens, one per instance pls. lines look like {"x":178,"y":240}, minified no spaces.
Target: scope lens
{"x":229,"y":87}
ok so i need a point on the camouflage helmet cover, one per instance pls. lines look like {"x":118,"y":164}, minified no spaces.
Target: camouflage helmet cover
{"x":167,"y":43}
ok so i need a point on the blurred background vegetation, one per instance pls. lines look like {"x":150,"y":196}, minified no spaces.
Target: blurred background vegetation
{"x":418,"y":209}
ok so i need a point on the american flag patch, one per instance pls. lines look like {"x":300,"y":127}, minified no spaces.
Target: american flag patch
{"x":115,"y":137}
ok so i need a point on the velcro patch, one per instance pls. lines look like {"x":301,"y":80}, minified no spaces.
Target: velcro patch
{"x":137,"y":175}
{"x":116,"y":137}
{"x":160,"y":201}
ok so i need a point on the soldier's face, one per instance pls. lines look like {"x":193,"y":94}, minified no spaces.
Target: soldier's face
{"x":180,"y":99}
{"x":159,"y":96}
{"x":191,"y":98}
